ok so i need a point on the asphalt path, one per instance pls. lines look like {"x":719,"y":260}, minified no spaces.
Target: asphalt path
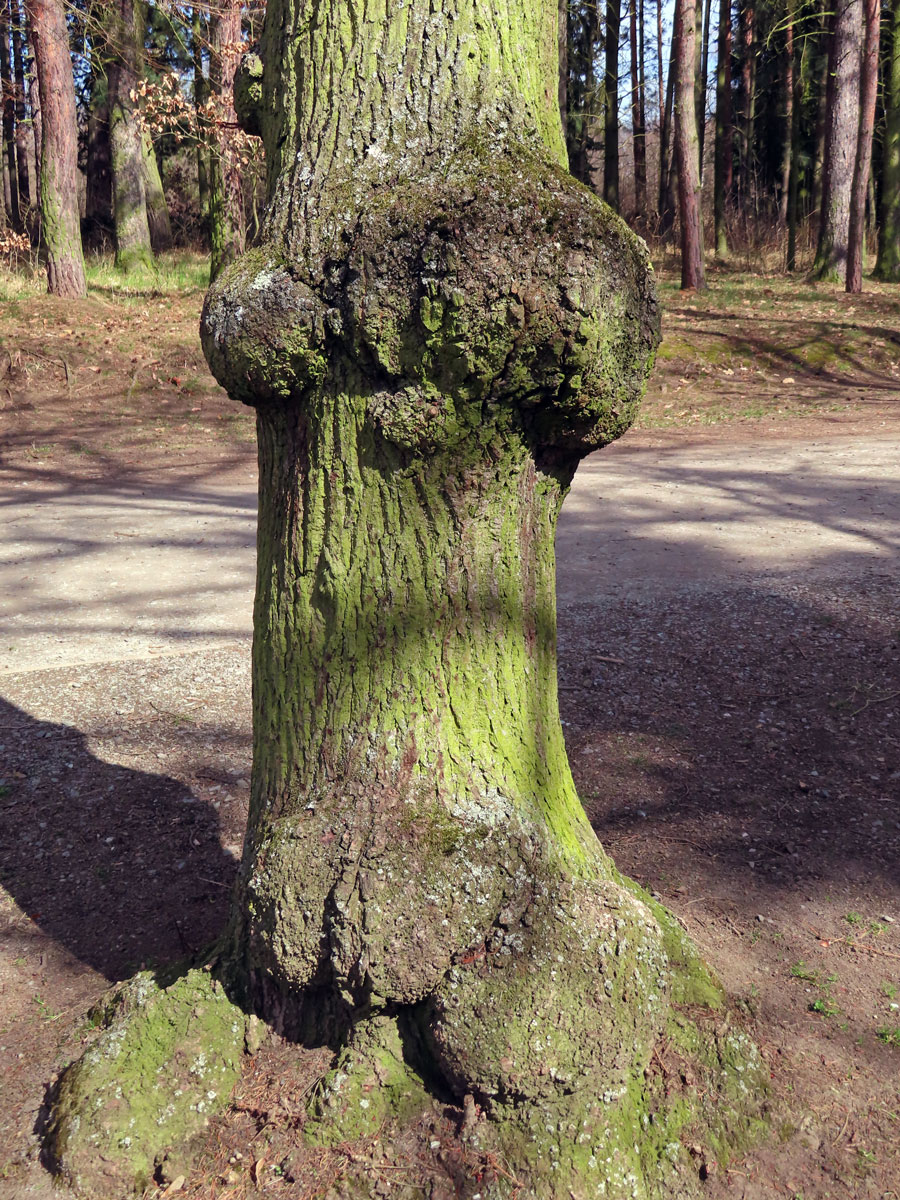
{"x":94,"y":572}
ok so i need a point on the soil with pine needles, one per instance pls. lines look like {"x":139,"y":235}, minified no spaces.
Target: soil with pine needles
{"x":737,"y":748}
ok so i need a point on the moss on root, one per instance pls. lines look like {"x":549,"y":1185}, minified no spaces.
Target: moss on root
{"x":166,"y":1060}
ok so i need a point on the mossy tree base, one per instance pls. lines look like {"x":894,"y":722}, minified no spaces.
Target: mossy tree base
{"x":164,"y":1062}
{"x":586,"y":1035}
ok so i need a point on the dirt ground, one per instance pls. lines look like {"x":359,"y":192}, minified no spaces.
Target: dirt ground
{"x":729,"y":682}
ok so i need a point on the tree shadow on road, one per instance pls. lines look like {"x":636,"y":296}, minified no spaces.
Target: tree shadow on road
{"x":120,"y":867}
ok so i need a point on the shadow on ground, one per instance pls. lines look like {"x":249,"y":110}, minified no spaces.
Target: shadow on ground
{"x":121,"y":867}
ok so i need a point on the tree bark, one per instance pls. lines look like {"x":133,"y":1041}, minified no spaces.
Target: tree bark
{"x":133,"y":248}
{"x":226,"y":199}
{"x":24,"y":151}
{"x":747,"y":31}
{"x":868,"y":91}
{"x":667,"y":170}
{"x":98,"y":184}
{"x":703,"y":82}
{"x":9,"y":118}
{"x":887,"y":266}
{"x":60,"y":220}
{"x":793,"y":215}
{"x":201,"y":95}
{"x":637,"y":110}
{"x":611,"y":105}
{"x":563,"y":81}
{"x":687,"y":149}
{"x":723,"y":180}
{"x":158,"y":220}
{"x":788,"y":118}
{"x":841,"y":133}
{"x":438,"y":325}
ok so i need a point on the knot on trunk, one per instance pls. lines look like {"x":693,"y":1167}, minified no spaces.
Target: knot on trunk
{"x":486,"y":292}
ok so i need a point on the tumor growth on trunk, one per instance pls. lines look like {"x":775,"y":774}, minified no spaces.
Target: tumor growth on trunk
{"x":438,"y":325}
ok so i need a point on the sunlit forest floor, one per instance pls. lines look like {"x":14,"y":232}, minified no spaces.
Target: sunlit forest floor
{"x":734,"y":733}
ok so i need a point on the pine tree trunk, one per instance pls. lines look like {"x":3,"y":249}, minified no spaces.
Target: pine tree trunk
{"x":438,"y":325}
{"x":611,"y":105}
{"x":60,"y":221}
{"x":747,"y":31}
{"x":24,"y":150}
{"x":11,"y":177}
{"x":201,"y":95}
{"x":841,"y":134}
{"x":702,"y":79}
{"x":723,"y":181}
{"x":226,"y":200}
{"x":788,"y":118}
{"x":687,"y":148}
{"x":637,"y":113}
{"x":563,"y":80}
{"x":868,"y":91}
{"x":133,"y":247}
{"x":887,"y":266}
{"x":793,"y":214}
{"x":667,"y":171}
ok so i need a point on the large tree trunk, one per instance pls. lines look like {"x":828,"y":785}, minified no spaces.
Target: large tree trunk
{"x":887,"y":266}
{"x":133,"y":247}
{"x":841,"y":134}
{"x":611,"y":105}
{"x":60,"y":220}
{"x":226,"y":198}
{"x":868,"y":90}
{"x":438,"y":325}
{"x":724,"y":161}
{"x":687,"y":148}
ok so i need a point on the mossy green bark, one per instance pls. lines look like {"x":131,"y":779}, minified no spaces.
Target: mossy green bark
{"x":165,"y":1060}
{"x":438,"y":325}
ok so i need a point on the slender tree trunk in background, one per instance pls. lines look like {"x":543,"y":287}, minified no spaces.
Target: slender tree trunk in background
{"x":788,"y":110}
{"x":133,"y":247}
{"x":37,"y":116}
{"x":637,"y":116}
{"x":226,"y":199}
{"x":60,"y":221}
{"x":842,"y":128}
{"x":723,"y":181}
{"x":702,"y":82}
{"x":887,"y":266}
{"x":11,"y":176}
{"x":747,"y":31}
{"x":583,"y":147}
{"x":868,"y":90}
{"x":667,"y":170}
{"x":98,"y":184}
{"x":611,"y":105}
{"x":793,"y":214}
{"x":24,"y":150}
{"x":562,"y":33}
{"x":433,"y":336}
{"x":201,"y":95}
{"x":825,"y":84}
{"x":687,"y":148}
{"x":157,"y":209}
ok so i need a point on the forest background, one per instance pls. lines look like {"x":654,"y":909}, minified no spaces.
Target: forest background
{"x":762,"y":130}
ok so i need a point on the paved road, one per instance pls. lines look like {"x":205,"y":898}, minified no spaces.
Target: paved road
{"x":101,"y":573}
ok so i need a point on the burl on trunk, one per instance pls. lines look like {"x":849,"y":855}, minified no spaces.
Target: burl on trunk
{"x":437,"y":327}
